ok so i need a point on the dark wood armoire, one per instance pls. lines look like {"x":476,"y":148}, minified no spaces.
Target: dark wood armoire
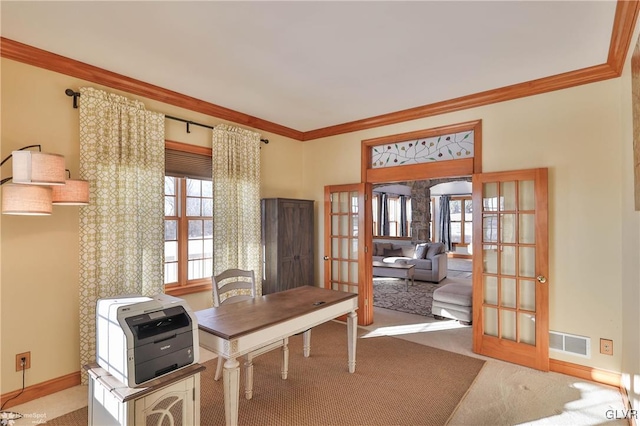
{"x":287,"y":241}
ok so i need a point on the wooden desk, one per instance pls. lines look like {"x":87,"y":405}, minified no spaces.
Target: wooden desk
{"x":239,"y":328}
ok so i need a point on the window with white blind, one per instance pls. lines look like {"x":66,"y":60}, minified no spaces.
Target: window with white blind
{"x":188,"y":262}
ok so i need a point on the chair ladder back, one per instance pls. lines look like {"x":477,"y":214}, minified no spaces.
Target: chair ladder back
{"x":230,"y":285}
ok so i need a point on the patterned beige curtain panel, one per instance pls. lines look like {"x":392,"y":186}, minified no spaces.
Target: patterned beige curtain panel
{"x":122,"y":230}
{"x":236,"y":200}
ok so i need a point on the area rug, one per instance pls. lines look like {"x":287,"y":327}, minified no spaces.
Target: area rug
{"x":396,"y":382}
{"x":391,"y":293}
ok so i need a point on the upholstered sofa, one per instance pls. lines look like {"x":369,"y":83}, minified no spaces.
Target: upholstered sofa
{"x":430,"y":259}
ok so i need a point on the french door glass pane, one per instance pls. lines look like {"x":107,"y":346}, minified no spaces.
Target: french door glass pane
{"x":527,"y":328}
{"x":508,"y":324}
{"x":528,"y":295}
{"x":527,"y":262}
{"x":344,"y":225}
{"x":527,"y":196}
{"x":354,"y":202}
{"x":490,"y":197}
{"x":354,"y":225}
{"x":508,"y":193}
{"x":527,"y":229}
{"x":508,"y":292}
{"x":490,"y":321}
{"x":344,"y":272}
{"x":354,"y":249}
{"x":344,"y":202}
{"x":344,"y":248}
{"x":335,"y":248}
{"x":508,"y":260}
{"x":490,"y":228}
{"x":354,"y":272}
{"x":335,"y":203}
{"x":508,"y":228}
{"x":489,"y":259}
{"x":490,"y":290}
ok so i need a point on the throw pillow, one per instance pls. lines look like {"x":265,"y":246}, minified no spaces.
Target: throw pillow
{"x":381,"y":247}
{"x":393,"y":252}
{"x":434,"y":249}
{"x":421,"y":251}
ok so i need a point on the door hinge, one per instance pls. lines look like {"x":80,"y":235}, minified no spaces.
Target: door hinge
{"x":366,"y":249}
{"x":193,"y":394}
{"x":366,"y":302}
{"x":366,"y":197}
{"x":331,"y":197}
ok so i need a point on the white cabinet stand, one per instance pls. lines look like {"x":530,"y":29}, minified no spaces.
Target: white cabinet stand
{"x":173,"y":399}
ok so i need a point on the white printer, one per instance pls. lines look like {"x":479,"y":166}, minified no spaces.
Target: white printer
{"x":141,"y":338}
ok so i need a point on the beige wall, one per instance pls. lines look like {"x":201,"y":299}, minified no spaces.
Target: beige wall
{"x":576,"y":133}
{"x":630,"y":347}
{"x":39,"y":255}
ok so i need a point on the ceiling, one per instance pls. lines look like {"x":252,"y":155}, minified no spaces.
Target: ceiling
{"x":310,"y":65}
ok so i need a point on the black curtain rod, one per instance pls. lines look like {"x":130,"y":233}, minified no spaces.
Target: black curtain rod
{"x":70,"y":92}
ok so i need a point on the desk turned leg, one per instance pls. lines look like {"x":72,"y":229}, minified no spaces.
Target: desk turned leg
{"x":285,"y":358}
{"x":248,"y":377}
{"x":306,"y":343}
{"x":231,"y":379}
{"x":352,"y":336}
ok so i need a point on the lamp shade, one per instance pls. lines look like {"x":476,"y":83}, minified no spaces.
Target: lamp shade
{"x":26,"y":200}
{"x":74,"y":192}
{"x":38,"y":168}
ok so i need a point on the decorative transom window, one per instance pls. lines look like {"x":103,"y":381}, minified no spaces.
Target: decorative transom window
{"x":453,"y":146}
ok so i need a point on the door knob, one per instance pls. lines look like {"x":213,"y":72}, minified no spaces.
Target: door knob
{"x":326,"y":258}
{"x":541,"y":279}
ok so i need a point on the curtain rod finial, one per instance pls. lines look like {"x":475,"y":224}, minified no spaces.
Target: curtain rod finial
{"x":70,"y":92}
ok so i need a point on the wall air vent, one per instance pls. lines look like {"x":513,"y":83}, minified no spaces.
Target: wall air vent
{"x":570,"y":343}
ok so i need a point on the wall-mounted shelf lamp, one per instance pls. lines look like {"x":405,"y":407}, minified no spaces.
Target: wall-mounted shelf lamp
{"x":38,"y":183}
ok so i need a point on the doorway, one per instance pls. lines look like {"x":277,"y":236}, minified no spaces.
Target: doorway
{"x":428,"y":209}
{"x":510,"y":234}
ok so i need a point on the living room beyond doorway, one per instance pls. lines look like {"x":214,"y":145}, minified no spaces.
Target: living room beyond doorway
{"x":408,"y":215}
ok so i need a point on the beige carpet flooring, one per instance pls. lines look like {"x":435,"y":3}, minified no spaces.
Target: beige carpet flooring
{"x":396,"y":382}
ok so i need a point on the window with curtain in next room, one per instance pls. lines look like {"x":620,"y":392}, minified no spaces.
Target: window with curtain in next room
{"x":396,"y":219}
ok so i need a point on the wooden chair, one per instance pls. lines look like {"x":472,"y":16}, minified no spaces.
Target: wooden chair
{"x":236,"y":285}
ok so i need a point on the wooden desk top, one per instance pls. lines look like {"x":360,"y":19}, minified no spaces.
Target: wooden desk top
{"x":237,"y":319}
